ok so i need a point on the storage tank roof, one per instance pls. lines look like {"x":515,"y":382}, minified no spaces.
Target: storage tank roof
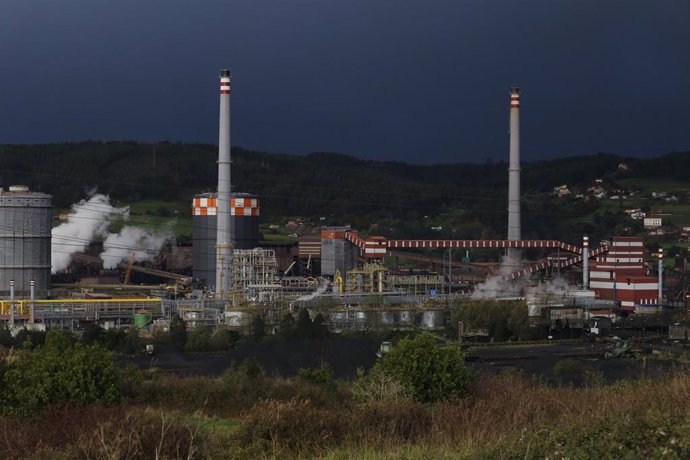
{"x":22,"y":190}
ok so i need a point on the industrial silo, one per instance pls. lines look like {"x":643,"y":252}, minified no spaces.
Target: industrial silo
{"x":25,"y":218}
{"x":245,"y":212}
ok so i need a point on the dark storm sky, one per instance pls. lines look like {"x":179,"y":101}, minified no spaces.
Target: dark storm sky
{"x":422,"y":81}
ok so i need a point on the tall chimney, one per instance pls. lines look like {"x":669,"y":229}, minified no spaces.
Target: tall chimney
{"x":11,"y":303}
{"x":585,"y":262}
{"x":223,"y":230}
{"x":661,"y":275}
{"x":514,"y":178}
{"x":33,"y":302}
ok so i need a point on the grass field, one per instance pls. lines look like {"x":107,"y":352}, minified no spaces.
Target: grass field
{"x":648,"y":185}
{"x":157,"y":214}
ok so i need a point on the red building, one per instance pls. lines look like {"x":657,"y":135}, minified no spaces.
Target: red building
{"x":621,"y":275}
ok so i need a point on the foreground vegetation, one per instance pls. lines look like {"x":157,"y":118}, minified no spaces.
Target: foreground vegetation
{"x":66,"y":399}
{"x":253,"y":416}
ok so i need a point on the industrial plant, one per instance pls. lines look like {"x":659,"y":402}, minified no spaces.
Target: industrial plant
{"x":339,"y":272}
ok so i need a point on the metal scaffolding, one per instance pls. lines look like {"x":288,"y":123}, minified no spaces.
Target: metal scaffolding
{"x":253,"y":268}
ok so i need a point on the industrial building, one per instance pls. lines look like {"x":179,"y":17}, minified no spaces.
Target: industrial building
{"x":245,"y":210}
{"x":620,"y":275}
{"x":25,"y":219}
{"x":337,"y":269}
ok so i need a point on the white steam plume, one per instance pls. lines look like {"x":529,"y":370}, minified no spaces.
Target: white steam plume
{"x":87,"y":219}
{"x":499,"y":285}
{"x":318,"y":293}
{"x":548,"y":293}
{"x":137,"y":241}
{"x":91,"y":218}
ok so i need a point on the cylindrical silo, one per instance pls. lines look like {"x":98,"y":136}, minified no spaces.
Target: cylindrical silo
{"x":25,"y":218}
{"x":245,"y":211}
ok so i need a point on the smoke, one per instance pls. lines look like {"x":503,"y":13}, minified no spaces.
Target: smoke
{"x":90,"y":219}
{"x":548,"y":293}
{"x":499,"y":285}
{"x":318,"y":293}
{"x":131,"y":241}
{"x":86,"y":220}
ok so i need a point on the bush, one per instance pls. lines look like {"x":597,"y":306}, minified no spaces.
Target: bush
{"x":257,"y":328}
{"x":178,"y":332}
{"x":378,"y":386}
{"x":431,"y":371}
{"x":567,"y":367}
{"x":223,"y":339}
{"x":322,"y":376}
{"x":59,"y":340}
{"x":624,"y":436}
{"x":50,"y":375}
{"x":198,"y":339}
{"x":93,"y":333}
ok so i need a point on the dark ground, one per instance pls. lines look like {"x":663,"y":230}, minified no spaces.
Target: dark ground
{"x":540,"y":362}
{"x":279,"y":357}
{"x":283,"y":357}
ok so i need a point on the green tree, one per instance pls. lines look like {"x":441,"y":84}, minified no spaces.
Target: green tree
{"x":223,"y":339}
{"x":50,"y":375}
{"x":322,"y":376}
{"x":178,"y":332}
{"x":114,"y":339}
{"x":92,"y":334}
{"x":60,"y":340}
{"x":433,"y":372}
{"x":132,"y":342}
{"x":303,"y":325}
{"x":257,"y":328}
{"x":198,"y":339}
{"x":319,"y":329}
{"x":6,"y":339}
{"x":287,"y":325}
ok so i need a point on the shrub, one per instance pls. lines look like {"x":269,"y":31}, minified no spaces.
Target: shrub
{"x":431,"y":371}
{"x":198,"y":339}
{"x":49,"y":375}
{"x":567,"y":367}
{"x":378,"y":386}
{"x":273,"y":427}
{"x":93,"y":333}
{"x":624,"y":436}
{"x":257,"y":328}
{"x":322,"y":376}
{"x":223,"y":339}
{"x":178,"y":332}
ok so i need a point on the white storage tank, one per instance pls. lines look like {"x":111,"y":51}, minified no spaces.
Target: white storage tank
{"x":25,"y":218}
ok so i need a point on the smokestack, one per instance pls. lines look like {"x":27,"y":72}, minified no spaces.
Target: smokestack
{"x":661,"y":275}
{"x":585,"y":262}
{"x":514,"y":177}
{"x":33,"y":299}
{"x":223,"y":231}
{"x":11,"y":302}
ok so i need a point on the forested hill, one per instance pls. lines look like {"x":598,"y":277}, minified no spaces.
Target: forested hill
{"x":341,"y":188}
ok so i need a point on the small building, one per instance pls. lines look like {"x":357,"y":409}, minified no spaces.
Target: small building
{"x":561,"y":190}
{"x":652,"y":222}
{"x":679,"y":331}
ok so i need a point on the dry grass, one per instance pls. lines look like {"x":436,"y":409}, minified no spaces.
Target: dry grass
{"x":279,"y":418}
{"x":503,"y":410}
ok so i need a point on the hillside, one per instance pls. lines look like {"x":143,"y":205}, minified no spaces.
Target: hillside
{"x":390,"y":198}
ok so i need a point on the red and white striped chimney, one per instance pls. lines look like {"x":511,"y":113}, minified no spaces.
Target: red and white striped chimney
{"x":223,"y":228}
{"x":514,"y":233}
